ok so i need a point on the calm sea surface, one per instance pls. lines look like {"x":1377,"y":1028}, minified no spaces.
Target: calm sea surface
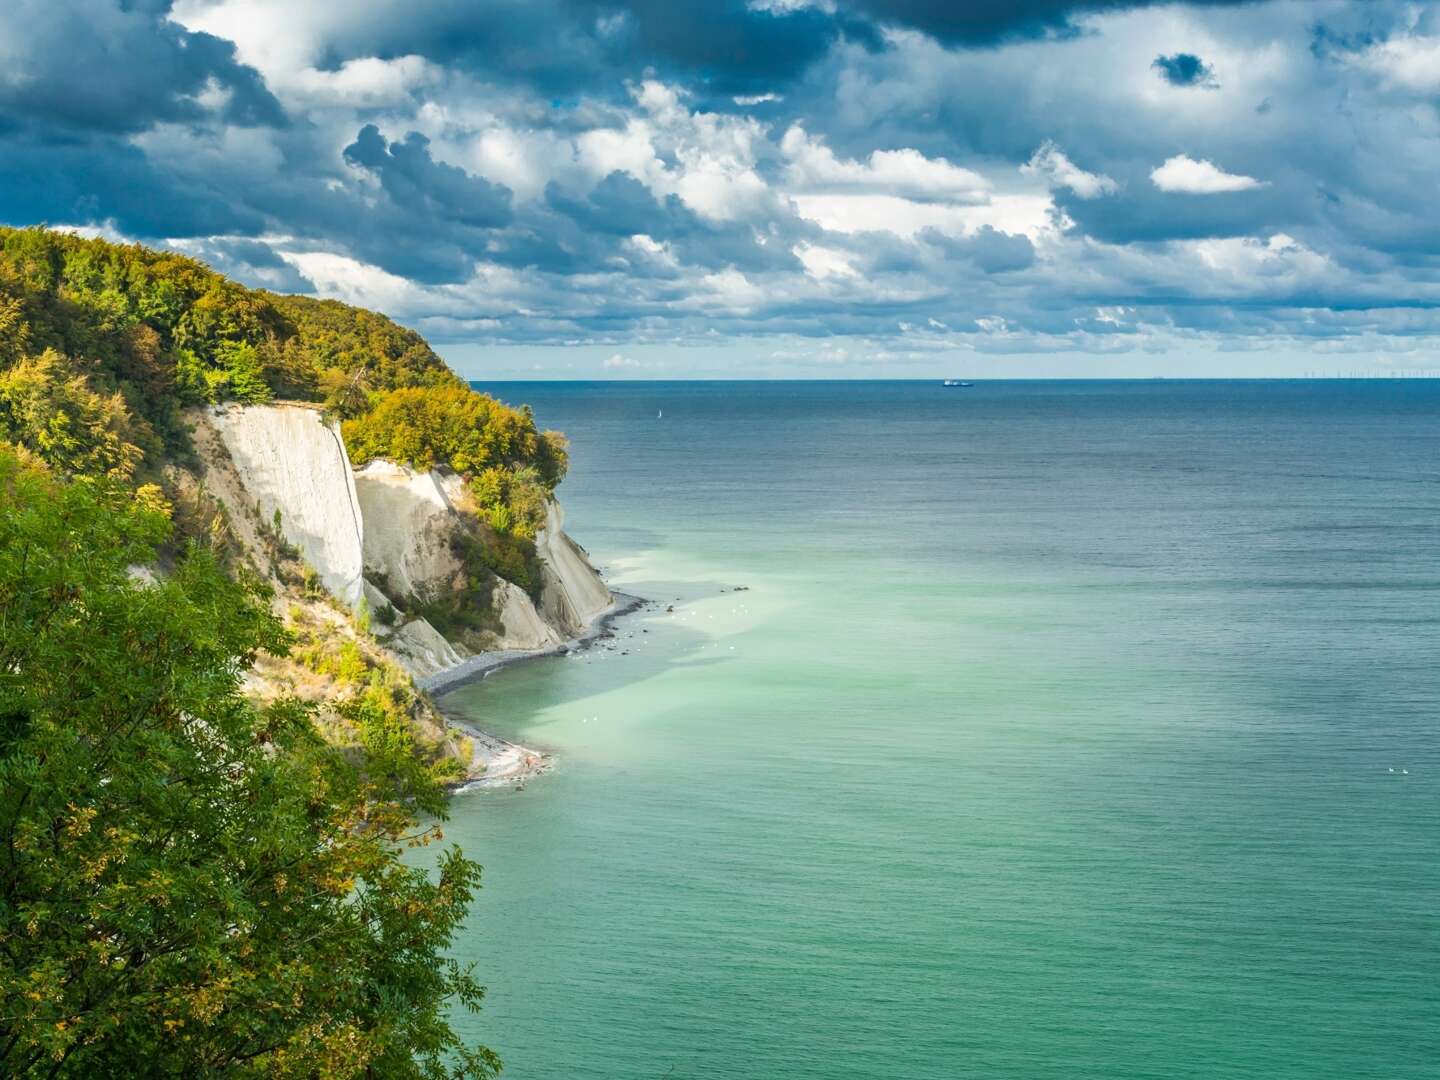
{"x":1064,"y":730}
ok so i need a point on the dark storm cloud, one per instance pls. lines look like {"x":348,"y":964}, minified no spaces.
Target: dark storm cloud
{"x":121,"y":67}
{"x":46,"y":176}
{"x":1185,"y":69}
{"x":736,"y":45}
{"x":559,"y":48}
{"x":425,"y":187}
{"x":989,"y":22}
{"x":621,"y":206}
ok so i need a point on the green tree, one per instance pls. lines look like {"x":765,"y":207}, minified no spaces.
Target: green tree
{"x":53,"y":411}
{"x":191,"y":885}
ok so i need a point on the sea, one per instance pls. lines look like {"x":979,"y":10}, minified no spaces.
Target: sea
{"x":1021,"y":731}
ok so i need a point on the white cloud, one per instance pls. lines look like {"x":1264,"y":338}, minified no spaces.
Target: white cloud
{"x":339,"y":277}
{"x":1027,"y":215}
{"x":1250,"y":260}
{"x":756,"y":99}
{"x":727,"y":291}
{"x":825,"y":262}
{"x":1411,"y":62}
{"x":255,"y":26}
{"x":366,"y":82}
{"x":628,"y":150}
{"x":1186,"y":175}
{"x":525,"y":161}
{"x":1051,"y":163}
{"x":714,"y":155}
{"x":650,"y":246}
{"x":105,"y":230}
{"x":908,"y":173}
{"x":789,"y":7}
{"x":619,"y":362}
{"x":213,"y":96}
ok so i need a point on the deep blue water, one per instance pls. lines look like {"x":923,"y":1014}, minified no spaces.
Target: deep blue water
{"x":1066,"y":729}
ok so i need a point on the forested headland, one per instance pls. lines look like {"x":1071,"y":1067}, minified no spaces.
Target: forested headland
{"x":197,"y":880}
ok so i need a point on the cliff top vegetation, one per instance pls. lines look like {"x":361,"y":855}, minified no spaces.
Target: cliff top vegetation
{"x":102,"y":345}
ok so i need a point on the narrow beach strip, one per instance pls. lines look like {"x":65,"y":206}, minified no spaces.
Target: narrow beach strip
{"x":503,"y":760}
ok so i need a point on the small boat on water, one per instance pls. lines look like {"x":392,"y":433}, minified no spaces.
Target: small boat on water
{"x":957,"y":382}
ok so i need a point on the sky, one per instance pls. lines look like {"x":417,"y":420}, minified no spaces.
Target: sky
{"x":757,"y":188}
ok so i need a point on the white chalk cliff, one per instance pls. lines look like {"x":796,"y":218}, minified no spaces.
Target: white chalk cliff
{"x":409,"y":520}
{"x":573,"y":595}
{"x":288,"y":459}
{"x":385,"y":533}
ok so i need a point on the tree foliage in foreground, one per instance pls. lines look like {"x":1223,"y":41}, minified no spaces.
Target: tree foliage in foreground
{"x":189,"y":884}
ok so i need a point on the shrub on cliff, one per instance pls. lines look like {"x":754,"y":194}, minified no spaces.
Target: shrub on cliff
{"x":512,"y":467}
{"x":192,"y":885}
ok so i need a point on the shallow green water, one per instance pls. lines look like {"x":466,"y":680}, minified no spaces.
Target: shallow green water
{"x":1052,"y":738}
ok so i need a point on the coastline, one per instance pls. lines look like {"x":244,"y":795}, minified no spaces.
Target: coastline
{"x":503,"y":760}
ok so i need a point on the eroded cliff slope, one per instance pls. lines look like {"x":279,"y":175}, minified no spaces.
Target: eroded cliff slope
{"x":388,"y":540}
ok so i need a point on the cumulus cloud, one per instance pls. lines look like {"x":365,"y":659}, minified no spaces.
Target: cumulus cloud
{"x":902,"y":174}
{"x":364,"y":82}
{"x":1050,"y":162}
{"x":707,"y":159}
{"x":415,"y":180}
{"x":1184,"y":174}
{"x":905,"y":173}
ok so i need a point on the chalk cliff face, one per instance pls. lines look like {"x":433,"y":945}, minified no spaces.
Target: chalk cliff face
{"x":410,"y":520}
{"x":524,"y":627}
{"x":573,"y":595}
{"x":422,"y":650}
{"x":288,"y":459}
{"x":386,"y":533}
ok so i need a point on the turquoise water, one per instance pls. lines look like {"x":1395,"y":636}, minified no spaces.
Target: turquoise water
{"x":1053,"y":737}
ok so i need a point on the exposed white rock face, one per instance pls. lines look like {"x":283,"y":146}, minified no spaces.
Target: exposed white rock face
{"x":422,"y":650}
{"x":409,"y":520}
{"x":524,"y":627}
{"x":573,"y":595}
{"x":289,"y":460}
